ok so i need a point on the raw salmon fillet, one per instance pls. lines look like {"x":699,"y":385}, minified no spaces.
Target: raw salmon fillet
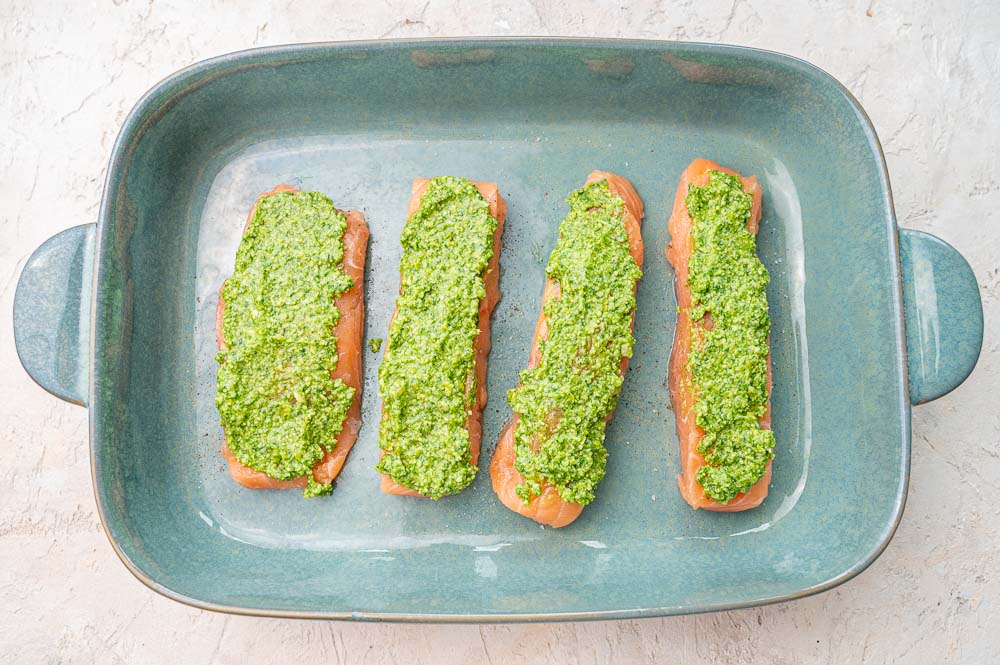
{"x":491,"y":278}
{"x":682,"y":396}
{"x":549,"y":507}
{"x":349,"y":333}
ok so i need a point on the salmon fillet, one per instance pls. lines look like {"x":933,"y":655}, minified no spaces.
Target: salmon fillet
{"x":549,"y":507}
{"x":682,"y":396}
{"x":349,"y":333}
{"x":491,"y":278}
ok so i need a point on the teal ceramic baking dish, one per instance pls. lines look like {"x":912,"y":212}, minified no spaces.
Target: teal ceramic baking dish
{"x":867,"y":320}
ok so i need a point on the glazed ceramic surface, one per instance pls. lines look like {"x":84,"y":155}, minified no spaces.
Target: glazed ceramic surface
{"x":120,"y":316}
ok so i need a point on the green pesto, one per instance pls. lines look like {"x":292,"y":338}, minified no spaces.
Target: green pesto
{"x":562,"y":404}
{"x":427,"y":379}
{"x":374,"y":344}
{"x":728,"y":362}
{"x":280,"y":408}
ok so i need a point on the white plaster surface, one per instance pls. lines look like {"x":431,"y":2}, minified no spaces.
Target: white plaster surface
{"x":928,"y":74}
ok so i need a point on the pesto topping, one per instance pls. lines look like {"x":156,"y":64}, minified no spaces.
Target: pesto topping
{"x":374,"y":344}
{"x":426,"y":378}
{"x":562,"y":403}
{"x":728,"y":362}
{"x":279,"y":406}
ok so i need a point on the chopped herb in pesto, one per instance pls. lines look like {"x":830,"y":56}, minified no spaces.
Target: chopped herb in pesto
{"x":426,"y":378}
{"x":280,"y":408}
{"x":374,"y":344}
{"x":562,"y":403}
{"x":728,"y":361}
{"x":314,"y":489}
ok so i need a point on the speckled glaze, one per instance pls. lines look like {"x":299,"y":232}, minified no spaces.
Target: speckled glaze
{"x":944,"y":315}
{"x":535,"y":116}
{"x":52,"y":313}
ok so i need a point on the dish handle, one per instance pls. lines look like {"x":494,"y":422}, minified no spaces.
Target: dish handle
{"x":52,"y":308}
{"x":944,"y":315}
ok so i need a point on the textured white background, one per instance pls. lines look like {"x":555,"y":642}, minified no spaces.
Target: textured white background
{"x":928,"y":75}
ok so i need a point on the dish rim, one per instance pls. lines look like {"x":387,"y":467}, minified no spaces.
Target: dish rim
{"x":158,"y":99}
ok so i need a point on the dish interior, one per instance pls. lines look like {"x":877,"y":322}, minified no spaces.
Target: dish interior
{"x":358,"y":123}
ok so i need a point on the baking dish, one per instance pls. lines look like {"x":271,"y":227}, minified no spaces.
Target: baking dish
{"x":867,"y":320}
